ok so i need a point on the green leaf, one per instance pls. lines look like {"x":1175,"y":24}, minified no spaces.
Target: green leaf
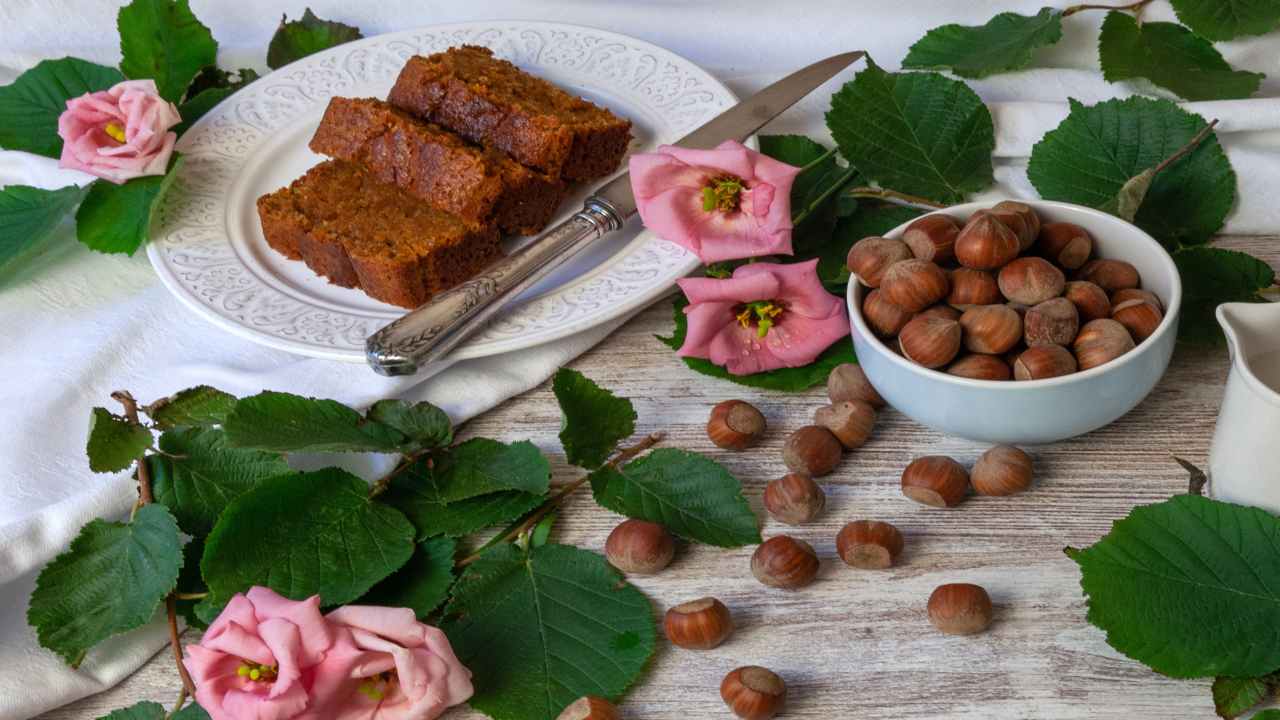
{"x":1233,"y":697}
{"x":425,"y":425}
{"x":918,"y":133}
{"x":114,"y":442}
{"x":209,"y":88}
{"x":481,"y":466}
{"x":1097,"y":149}
{"x":190,"y":581}
{"x":420,"y":495}
{"x":1228,"y":19}
{"x":28,"y":217}
{"x":306,"y":534}
{"x":200,"y":406}
{"x":1172,"y":57}
{"x":795,"y":150}
{"x":691,"y":495}
{"x":542,"y":531}
{"x":29,"y":108}
{"x":163,"y":40}
{"x":297,"y":39}
{"x":110,"y":581}
{"x":117,"y":218}
{"x":1210,"y":277}
{"x":198,"y":476}
{"x":867,"y":220}
{"x":422,"y":584}
{"x":1007,"y":42}
{"x":784,"y":379}
{"x":541,"y":629}
{"x":1267,"y":715}
{"x":592,"y":420}
{"x":191,"y":711}
{"x":1161,"y":583}
{"x":282,"y":422}
{"x":145,"y":710}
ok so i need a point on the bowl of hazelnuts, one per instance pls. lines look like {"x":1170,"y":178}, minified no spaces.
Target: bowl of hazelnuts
{"x":1015,"y":322}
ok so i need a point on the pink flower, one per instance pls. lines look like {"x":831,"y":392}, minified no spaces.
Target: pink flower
{"x":385,"y":665}
{"x":766,"y":316}
{"x":258,"y":660}
{"x":723,"y":204}
{"x":119,"y":134}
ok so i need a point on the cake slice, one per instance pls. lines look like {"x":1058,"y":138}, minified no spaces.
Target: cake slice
{"x":435,"y":165}
{"x":359,"y":232}
{"x":492,"y":102}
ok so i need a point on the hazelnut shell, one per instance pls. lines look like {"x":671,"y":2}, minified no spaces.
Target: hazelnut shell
{"x":870,"y":257}
{"x":1066,"y":244}
{"x":914,"y":285}
{"x":1052,"y":322}
{"x":1100,"y":342}
{"x":639,"y":547}
{"x":590,"y":707}
{"x":936,"y":481}
{"x":698,"y":624}
{"x":1110,"y":275}
{"x":848,"y":382}
{"x":1090,"y":300}
{"x":981,"y":367}
{"x":991,"y":329}
{"x":869,"y":544}
{"x":753,"y":693}
{"x":735,"y":425}
{"x":812,"y":450}
{"x":1044,"y":361}
{"x":960,"y":609}
{"x":932,"y":237}
{"x":885,"y":318}
{"x":850,"y":421}
{"x":930,"y":341}
{"x":784,"y":562}
{"x":985,"y":243}
{"x":1139,"y":317}
{"x":794,"y":499}
{"x":1031,"y":280}
{"x":972,"y":287}
{"x":1002,"y":470}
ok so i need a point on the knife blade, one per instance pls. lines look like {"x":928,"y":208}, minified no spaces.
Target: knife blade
{"x":429,"y":333}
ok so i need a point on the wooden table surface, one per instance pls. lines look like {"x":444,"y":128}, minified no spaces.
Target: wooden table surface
{"x":857,"y":644}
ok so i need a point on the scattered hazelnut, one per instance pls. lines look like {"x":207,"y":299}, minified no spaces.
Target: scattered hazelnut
{"x":869,"y":544}
{"x":1066,"y":244}
{"x":850,"y":421}
{"x":639,"y":547}
{"x":589,"y":708}
{"x":1110,"y":275}
{"x":1139,"y":317}
{"x":1090,"y":300}
{"x":784,"y":562}
{"x":870,"y":257}
{"x":972,"y":287}
{"x":1002,"y":470}
{"x":985,"y":243}
{"x":1124,"y":294}
{"x":946,"y":312}
{"x":698,"y":624}
{"x":794,"y":498}
{"x":1052,"y":322}
{"x":1100,"y":342}
{"x":1044,"y":361}
{"x":914,"y":285}
{"x":735,"y":425}
{"x":812,"y":450}
{"x":1030,"y":220}
{"x":980,"y":367}
{"x":991,"y":329}
{"x":753,"y":693}
{"x":932,"y":237}
{"x":935,"y":481}
{"x":929,"y":341}
{"x":849,"y":382}
{"x":1031,"y":280}
{"x":884,"y":317}
{"x":960,"y":609}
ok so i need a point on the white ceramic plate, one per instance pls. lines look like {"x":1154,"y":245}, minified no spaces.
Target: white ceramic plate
{"x":209,"y":250}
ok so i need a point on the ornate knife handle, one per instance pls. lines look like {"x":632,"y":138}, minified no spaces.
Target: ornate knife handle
{"x":429,"y":333}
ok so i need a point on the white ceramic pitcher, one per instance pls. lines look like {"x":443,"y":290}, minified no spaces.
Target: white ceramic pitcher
{"x":1244,"y":462}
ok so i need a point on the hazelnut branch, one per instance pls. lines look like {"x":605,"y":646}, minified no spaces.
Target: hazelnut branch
{"x":182,"y":700}
{"x":1186,"y":149}
{"x":380,"y":485}
{"x":1081,"y":8}
{"x":131,"y":414}
{"x":885,"y":194}
{"x":816,"y":161}
{"x":804,"y":214}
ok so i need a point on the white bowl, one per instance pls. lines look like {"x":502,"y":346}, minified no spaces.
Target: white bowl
{"x":1037,"y":411}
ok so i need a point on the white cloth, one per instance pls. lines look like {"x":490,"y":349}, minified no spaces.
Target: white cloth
{"x":76,"y":325}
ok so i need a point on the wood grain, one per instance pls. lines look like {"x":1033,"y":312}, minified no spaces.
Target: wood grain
{"x":857,"y":643}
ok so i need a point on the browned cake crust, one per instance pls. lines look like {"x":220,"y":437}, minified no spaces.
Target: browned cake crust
{"x":359,"y":232}
{"x":495,"y":103}
{"x":431,"y":163}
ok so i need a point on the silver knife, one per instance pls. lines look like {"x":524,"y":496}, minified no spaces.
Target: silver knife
{"x":429,"y":333}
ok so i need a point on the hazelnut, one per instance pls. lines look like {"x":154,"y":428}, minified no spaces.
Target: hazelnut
{"x":1052,"y":322}
{"x":985,"y":243}
{"x":639,"y":547}
{"x":784,"y":562}
{"x":914,"y":285}
{"x":589,"y":708}
{"x":972,"y":287}
{"x":946,"y":312}
{"x":735,"y":425}
{"x":932,"y":237}
{"x":1030,"y":220}
{"x":1100,"y":342}
{"x":935,"y":481}
{"x":794,"y":499}
{"x":1019,"y":308}
{"x":1044,"y":361}
{"x":1016,"y":223}
{"x":980,"y":367}
{"x":930,"y":341}
{"x":869,"y":544}
{"x":812,"y":450}
{"x":753,"y":693}
{"x":991,"y":329}
{"x":850,"y":421}
{"x":884,"y":317}
{"x":1002,"y":470}
{"x":1031,"y":280}
{"x":870,"y":257}
{"x":1090,"y":300}
{"x":1110,"y":275}
{"x":1139,"y":317}
{"x":698,"y":624}
{"x":960,"y":609}
{"x":1066,"y":244}
{"x":1124,"y":294}
{"x":849,"y":382}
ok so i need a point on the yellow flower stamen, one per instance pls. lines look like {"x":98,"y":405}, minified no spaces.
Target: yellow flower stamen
{"x":764,"y":313}
{"x":256,"y":672}
{"x":115,"y":130}
{"x":724,"y":193}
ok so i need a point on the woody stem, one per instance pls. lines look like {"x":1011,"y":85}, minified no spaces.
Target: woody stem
{"x":1081,"y":8}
